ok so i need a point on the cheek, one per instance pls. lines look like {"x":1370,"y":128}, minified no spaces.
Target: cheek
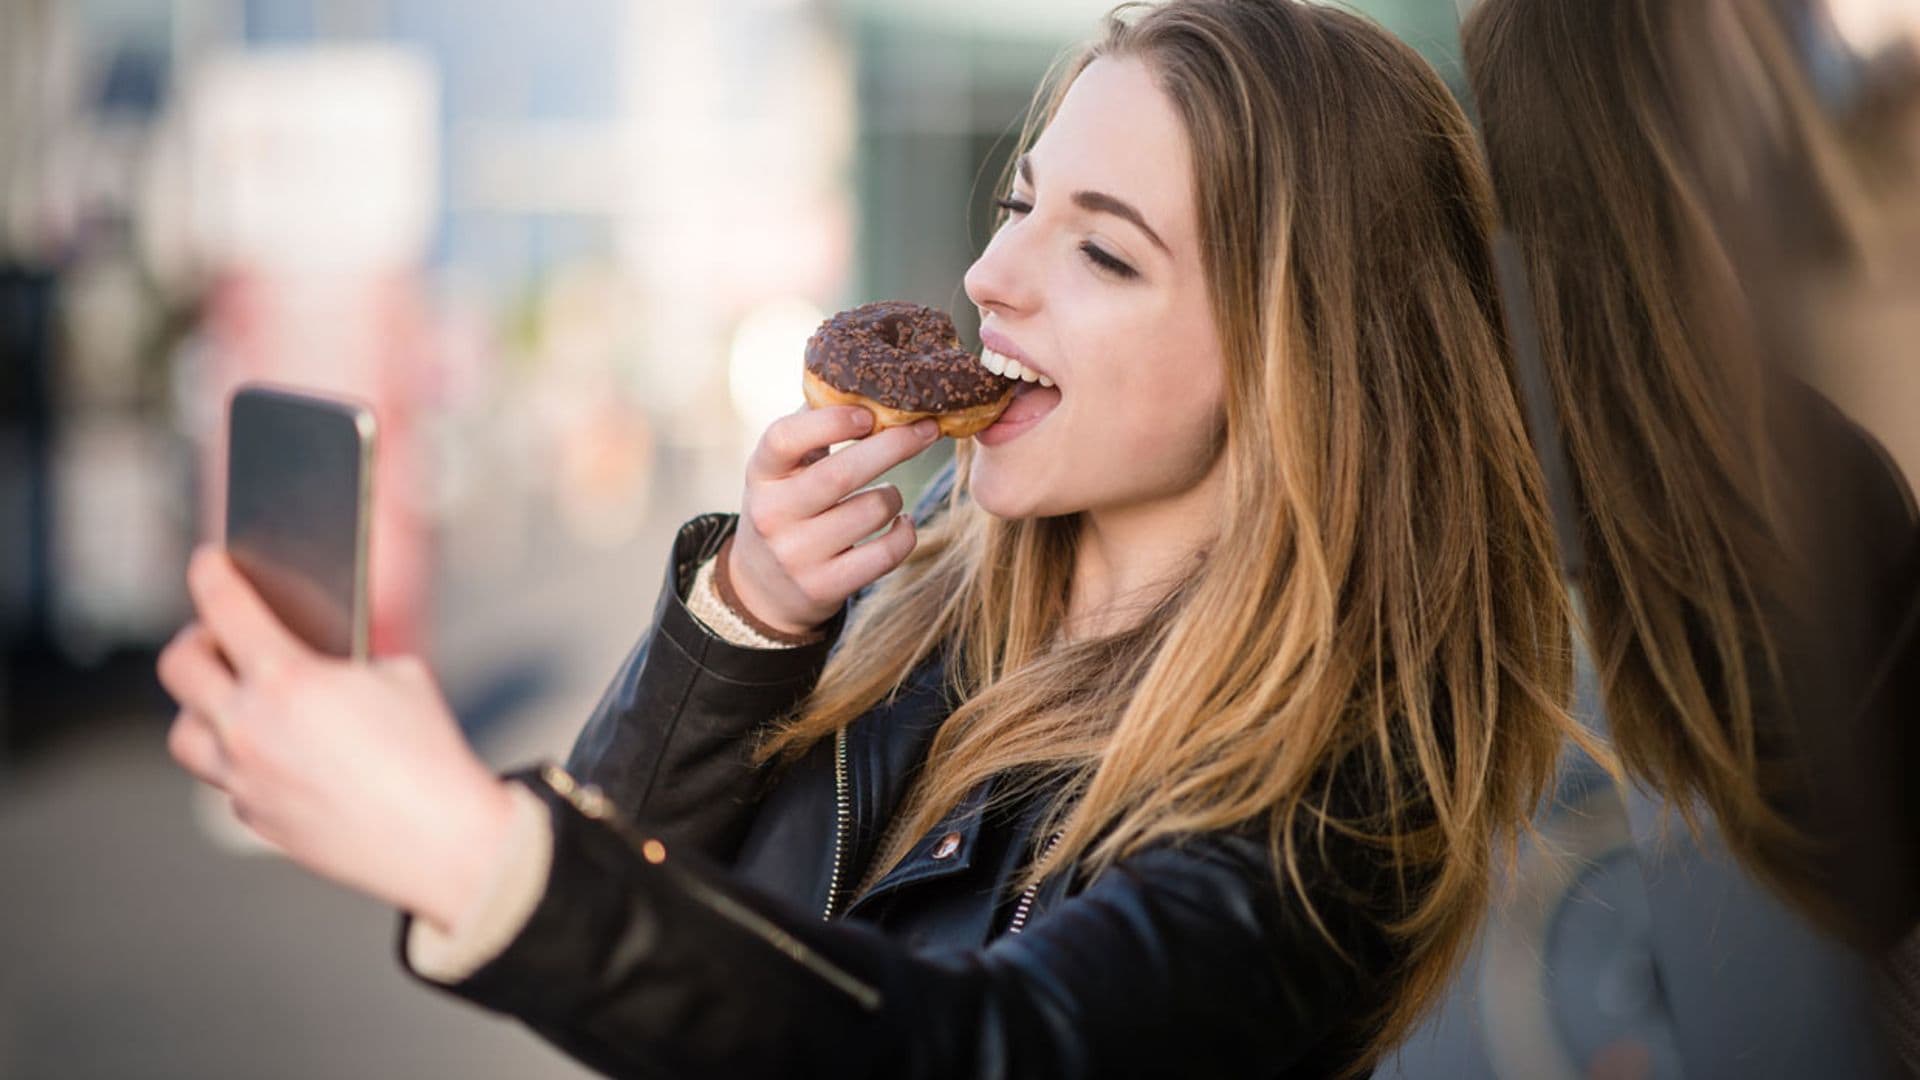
{"x":1152,"y":391}
{"x":1151,"y":419}
{"x":1159,"y":436}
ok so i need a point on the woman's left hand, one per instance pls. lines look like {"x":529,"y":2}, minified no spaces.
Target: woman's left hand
{"x":358,"y":772}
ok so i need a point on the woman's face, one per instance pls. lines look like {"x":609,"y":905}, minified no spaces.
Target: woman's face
{"x":1095,"y":283}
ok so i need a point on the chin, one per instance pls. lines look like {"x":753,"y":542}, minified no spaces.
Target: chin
{"x":1002,"y":491}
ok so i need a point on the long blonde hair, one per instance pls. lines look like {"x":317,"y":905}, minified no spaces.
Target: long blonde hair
{"x":1382,"y":599}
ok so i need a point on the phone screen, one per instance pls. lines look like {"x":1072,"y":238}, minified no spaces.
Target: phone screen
{"x":298,"y":487}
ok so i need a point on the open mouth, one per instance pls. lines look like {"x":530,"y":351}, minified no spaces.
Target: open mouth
{"x":1031,"y":404}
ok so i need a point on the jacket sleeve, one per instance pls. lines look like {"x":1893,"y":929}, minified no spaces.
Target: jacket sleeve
{"x":1181,"y":961}
{"x":669,"y":741}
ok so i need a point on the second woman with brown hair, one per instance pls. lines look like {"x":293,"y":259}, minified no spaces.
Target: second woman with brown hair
{"x":1673,"y":187}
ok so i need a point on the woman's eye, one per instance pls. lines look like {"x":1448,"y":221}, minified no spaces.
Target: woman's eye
{"x":1014,"y":204}
{"x":1107,"y":262}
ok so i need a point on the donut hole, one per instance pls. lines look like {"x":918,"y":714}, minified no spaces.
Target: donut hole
{"x":895,"y":331}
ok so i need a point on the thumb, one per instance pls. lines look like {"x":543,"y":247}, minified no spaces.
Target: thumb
{"x":252,"y":638}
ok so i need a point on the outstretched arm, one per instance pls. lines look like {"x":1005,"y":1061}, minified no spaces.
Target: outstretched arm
{"x":1180,"y":961}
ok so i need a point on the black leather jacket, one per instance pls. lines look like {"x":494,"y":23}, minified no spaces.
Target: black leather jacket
{"x":712,"y":954}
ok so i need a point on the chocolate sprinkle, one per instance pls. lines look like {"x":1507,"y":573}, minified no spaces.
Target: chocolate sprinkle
{"x":903,"y":356}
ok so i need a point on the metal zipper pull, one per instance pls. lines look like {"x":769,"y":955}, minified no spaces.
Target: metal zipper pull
{"x":1021,"y":910}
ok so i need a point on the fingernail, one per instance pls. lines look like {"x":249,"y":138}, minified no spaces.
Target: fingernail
{"x":862,"y":419}
{"x":926,"y":429}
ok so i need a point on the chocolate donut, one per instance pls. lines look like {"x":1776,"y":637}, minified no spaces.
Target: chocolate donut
{"x":903,"y":362}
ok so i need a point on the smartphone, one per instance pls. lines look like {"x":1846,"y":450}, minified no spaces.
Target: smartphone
{"x":299,"y":500}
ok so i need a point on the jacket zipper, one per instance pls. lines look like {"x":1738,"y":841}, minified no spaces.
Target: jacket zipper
{"x":1025,"y":905}
{"x":842,"y":810}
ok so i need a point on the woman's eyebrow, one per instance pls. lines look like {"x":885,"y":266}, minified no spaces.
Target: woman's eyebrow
{"x":1101,"y":202}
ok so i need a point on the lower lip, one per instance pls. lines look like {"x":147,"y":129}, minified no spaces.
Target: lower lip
{"x":1007,"y":429}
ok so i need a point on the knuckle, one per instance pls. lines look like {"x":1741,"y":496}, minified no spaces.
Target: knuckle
{"x":871,"y":560}
{"x":758,"y":518}
{"x":901,"y":540}
{"x":834,"y":477}
{"x":778,"y":439}
{"x":241,"y":747}
{"x":168,"y":665}
{"x":906,"y":441}
{"x":815,"y":591}
{"x":784,"y":550}
{"x":180,"y":740}
{"x":834,"y":467}
{"x":881,"y":503}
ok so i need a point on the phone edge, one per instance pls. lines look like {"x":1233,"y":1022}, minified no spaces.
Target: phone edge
{"x":368,"y":432}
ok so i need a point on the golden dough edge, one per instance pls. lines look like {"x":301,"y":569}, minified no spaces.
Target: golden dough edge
{"x":957,"y":424}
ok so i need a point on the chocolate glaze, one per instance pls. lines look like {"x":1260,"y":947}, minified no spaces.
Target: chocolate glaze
{"x":904,"y":356}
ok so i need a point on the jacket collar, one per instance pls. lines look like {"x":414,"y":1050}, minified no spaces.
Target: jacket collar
{"x":948,"y":848}
{"x":887,"y":747}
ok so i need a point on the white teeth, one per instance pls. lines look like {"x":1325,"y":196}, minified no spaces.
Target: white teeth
{"x":1010,"y":368}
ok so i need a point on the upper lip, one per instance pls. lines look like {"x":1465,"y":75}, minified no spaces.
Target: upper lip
{"x":992,"y":339}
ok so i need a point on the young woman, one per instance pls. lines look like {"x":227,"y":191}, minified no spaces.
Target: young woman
{"x":1177,"y":741}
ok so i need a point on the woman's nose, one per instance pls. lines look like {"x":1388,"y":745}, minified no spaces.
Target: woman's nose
{"x":999,"y":280}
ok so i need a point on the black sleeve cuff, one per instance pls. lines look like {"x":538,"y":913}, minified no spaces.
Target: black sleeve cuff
{"x":700,"y":540}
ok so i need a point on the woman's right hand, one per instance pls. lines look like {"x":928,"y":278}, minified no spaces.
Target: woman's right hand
{"x":794,"y":559}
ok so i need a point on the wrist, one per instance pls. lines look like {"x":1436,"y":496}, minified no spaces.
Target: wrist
{"x":473,"y":848}
{"x":729,"y":586}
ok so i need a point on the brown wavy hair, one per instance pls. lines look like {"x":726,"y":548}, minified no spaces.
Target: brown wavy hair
{"x":1643,"y":152}
{"x":1381,"y":601}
